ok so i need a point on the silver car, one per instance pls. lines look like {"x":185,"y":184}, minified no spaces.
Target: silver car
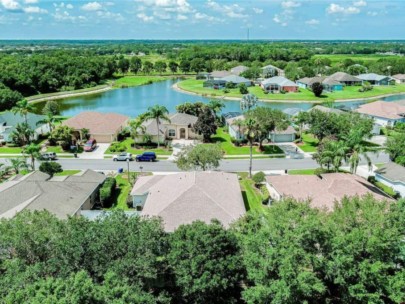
{"x":124,"y":156}
{"x":48,"y":156}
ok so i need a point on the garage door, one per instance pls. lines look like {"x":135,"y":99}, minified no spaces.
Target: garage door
{"x":102,"y":138}
{"x":283,"y":138}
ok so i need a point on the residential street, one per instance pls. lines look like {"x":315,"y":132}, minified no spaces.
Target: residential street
{"x":235,"y":165}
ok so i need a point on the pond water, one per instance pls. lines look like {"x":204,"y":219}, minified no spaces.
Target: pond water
{"x":136,"y":100}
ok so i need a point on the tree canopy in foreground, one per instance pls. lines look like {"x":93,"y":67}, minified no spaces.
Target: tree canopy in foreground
{"x":289,"y":253}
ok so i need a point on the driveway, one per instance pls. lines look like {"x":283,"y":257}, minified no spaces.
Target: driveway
{"x":97,"y":153}
{"x":378,"y":140}
{"x":178,"y":145}
{"x":291,"y":150}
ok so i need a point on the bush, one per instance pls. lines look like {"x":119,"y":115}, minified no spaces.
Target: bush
{"x":50,"y":168}
{"x":230,"y":85}
{"x":107,"y":191}
{"x":243,"y":89}
{"x":226,"y":91}
{"x":259,"y":178}
{"x":118,"y":147}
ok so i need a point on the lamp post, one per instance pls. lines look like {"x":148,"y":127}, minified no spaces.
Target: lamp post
{"x":128,"y":171}
{"x":141,"y":168}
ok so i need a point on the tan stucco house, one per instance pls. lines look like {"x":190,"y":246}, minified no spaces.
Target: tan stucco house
{"x":179,"y":127}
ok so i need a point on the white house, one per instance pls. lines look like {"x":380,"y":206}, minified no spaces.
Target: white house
{"x":392,"y":175}
{"x":384,"y":113}
{"x":9,"y":121}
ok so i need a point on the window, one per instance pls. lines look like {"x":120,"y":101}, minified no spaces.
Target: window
{"x":172,"y":133}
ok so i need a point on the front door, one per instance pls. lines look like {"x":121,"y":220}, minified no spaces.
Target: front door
{"x":182,"y":133}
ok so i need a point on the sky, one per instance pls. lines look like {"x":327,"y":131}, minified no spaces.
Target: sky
{"x":202,"y":19}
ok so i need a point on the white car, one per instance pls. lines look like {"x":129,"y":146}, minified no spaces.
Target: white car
{"x":124,"y":156}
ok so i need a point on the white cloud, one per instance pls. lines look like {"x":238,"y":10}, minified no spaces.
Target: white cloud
{"x":290,"y":4}
{"x":232,"y":10}
{"x":257,"y":10}
{"x":312,"y":22}
{"x":181,"y":17}
{"x":92,"y":6}
{"x":337,"y":9}
{"x":372,"y":14}
{"x":30,"y":1}
{"x":10,"y":5}
{"x":35,"y":10}
{"x":279,"y":20}
{"x":176,"y":6}
{"x":65,"y":16}
{"x":69,"y":6}
{"x":360,"y":3}
{"x":144,"y":17}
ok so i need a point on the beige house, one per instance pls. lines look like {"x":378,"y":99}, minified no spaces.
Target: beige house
{"x":399,"y":78}
{"x":103,"y":127}
{"x":62,"y":196}
{"x":186,"y":197}
{"x":179,"y":127}
{"x":322,"y":191}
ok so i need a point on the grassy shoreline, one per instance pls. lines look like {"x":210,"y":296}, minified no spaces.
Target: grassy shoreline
{"x":193,"y":86}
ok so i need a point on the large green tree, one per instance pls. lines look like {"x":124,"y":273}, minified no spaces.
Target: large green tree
{"x":33,"y":152}
{"x":206,"y":124}
{"x":203,"y":157}
{"x":252,"y":131}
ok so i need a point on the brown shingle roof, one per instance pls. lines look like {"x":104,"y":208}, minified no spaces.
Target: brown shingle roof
{"x":384,"y":109}
{"x":323,"y":192}
{"x":97,"y":123}
{"x":189,"y":196}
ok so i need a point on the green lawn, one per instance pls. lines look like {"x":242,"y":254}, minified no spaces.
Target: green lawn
{"x":10,"y":150}
{"x":230,"y":149}
{"x":310,"y":143}
{"x":338,"y":58}
{"x":302,"y":172}
{"x":252,"y":196}
{"x":384,"y":188}
{"x":133,"y":81}
{"x":127,"y":142}
{"x":196,"y":86}
{"x":68,"y":172}
{"x":121,"y":194}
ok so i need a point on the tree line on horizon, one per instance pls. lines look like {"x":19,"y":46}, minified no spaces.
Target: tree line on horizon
{"x":288,"y":253}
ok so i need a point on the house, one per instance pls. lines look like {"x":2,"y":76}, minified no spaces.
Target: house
{"x":271,"y":71}
{"x":345,"y":79}
{"x":325,"y":109}
{"x":292,"y":112}
{"x":392,"y":175}
{"x":103,"y":127}
{"x":237,"y":80}
{"x":328,"y":83}
{"x":278,"y":84}
{"x":214,"y":83}
{"x":186,"y":197}
{"x":375,"y":79}
{"x":322,"y":191}
{"x":217,"y":75}
{"x":9,"y":121}
{"x":282,"y":136}
{"x":179,"y":127}
{"x":399,"y":78}
{"x":62,"y":196}
{"x":239,"y":69}
{"x":384,"y":113}
{"x":234,"y":130}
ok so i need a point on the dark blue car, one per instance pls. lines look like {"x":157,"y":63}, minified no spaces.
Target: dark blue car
{"x":146,"y":156}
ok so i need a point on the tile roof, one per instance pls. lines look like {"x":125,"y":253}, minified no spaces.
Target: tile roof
{"x":393,"y":172}
{"x":344,"y":77}
{"x":189,"y":196}
{"x":37,"y":191}
{"x":384,"y":109}
{"x":182,"y":119}
{"x":220,"y":74}
{"x":97,"y":123}
{"x":323,"y":192}
{"x":326,"y":109}
{"x":399,"y":76}
{"x":179,"y":119}
{"x":288,"y":131}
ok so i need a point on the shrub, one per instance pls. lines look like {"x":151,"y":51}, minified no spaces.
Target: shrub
{"x":107,"y":191}
{"x":259,"y":178}
{"x":243,"y":89}
{"x":118,"y":147}
{"x":50,"y":168}
{"x":317,"y":89}
{"x":230,"y":85}
{"x":226,"y":91}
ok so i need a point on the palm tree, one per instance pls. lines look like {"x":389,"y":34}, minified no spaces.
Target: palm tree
{"x":23,"y":107}
{"x":355,"y":155}
{"x":32,"y":150}
{"x":252,"y":131}
{"x":22,"y":134}
{"x":136,"y":128}
{"x":158,"y":113}
{"x":48,"y":120}
{"x":18,"y":164}
{"x":301,"y":119}
{"x":332,"y":153}
{"x":216,"y":105}
{"x":248,"y":101}
{"x":3,"y":171}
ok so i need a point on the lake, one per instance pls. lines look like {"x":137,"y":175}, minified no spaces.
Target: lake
{"x":136,"y":100}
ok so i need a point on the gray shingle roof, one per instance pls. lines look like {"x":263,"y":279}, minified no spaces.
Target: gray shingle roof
{"x":179,"y":119}
{"x":235,"y":79}
{"x":189,"y":196}
{"x":34,"y":192}
{"x":182,"y":119}
{"x":279,"y":80}
{"x":372,"y":77}
{"x":344,"y":77}
{"x":393,"y":172}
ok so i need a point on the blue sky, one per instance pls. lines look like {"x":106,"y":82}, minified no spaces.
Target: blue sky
{"x":202,"y":19}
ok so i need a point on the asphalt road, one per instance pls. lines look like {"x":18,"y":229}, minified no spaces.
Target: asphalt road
{"x":235,"y":165}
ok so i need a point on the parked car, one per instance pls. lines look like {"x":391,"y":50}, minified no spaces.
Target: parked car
{"x":146,"y":156}
{"x":48,"y":156}
{"x":90,"y":145}
{"x":124,"y":156}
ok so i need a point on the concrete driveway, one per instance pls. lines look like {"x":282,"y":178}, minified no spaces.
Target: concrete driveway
{"x":97,"y":153}
{"x":378,"y":140}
